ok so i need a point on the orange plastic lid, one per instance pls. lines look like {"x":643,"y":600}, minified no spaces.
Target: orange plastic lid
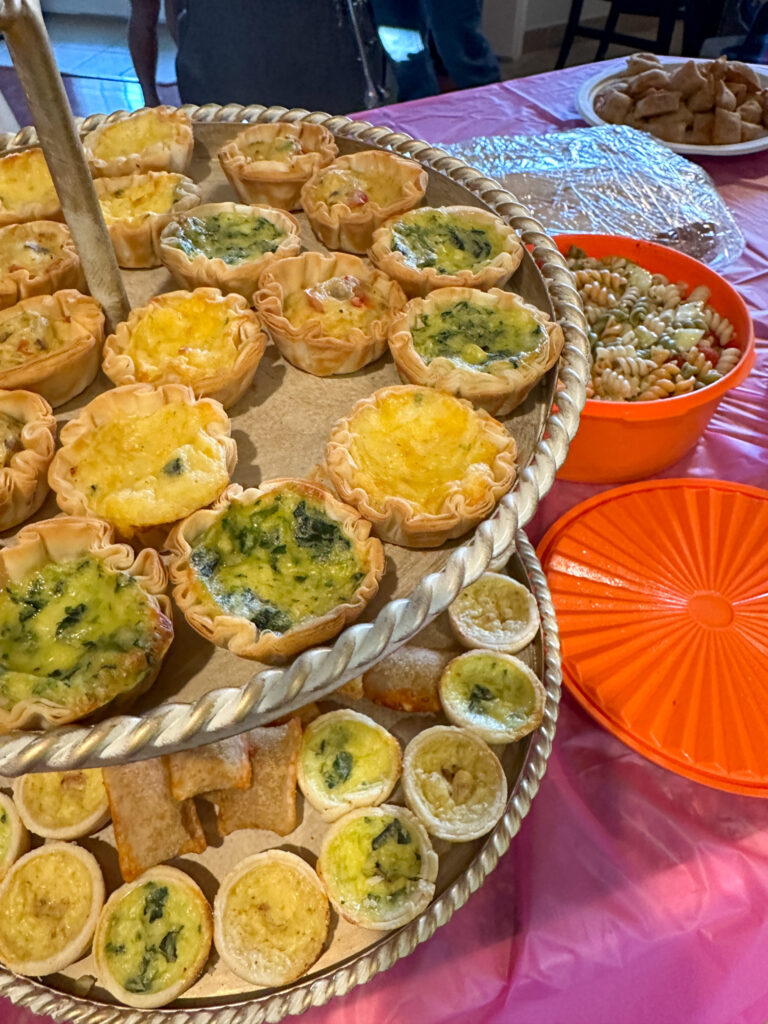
{"x":661,"y":594}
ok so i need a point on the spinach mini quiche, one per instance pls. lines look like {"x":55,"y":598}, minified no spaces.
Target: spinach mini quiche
{"x":269,"y":571}
{"x":447,"y":246}
{"x":488,"y":347}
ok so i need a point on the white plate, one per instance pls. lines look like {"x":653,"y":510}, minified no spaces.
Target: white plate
{"x":586,"y":106}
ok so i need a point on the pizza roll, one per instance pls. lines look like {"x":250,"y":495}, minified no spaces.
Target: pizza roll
{"x":687,"y":79}
{"x":657,"y":102}
{"x":613,"y":106}
{"x":407,"y":679}
{"x":222,"y":765}
{"x":727,"y":127}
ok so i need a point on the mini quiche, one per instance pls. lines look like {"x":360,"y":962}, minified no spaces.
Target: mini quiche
{"x":270,"y":918}
{"x":493,"y":694}
{"x":488,"y":347}
{"x":378,"y":867}
{"x":347,"y":760}
{"x":328,"y":313}
{"x":37,"y":258}
{"x":347,"y":200}
{"x":50,"y":901}
{"x":269,"y":163}
{"x":227,"y":245}
{"x":137,"y":207}
{"x":51,"y":344}
{"x":448,"y":246}
{"x":83,"y":623}
{"x":62,"y":805}
{"x":269,"y":571}
{"x":153,"y":938}
{"x":157,"y":139}
{"x":422,"y":466}
{"x":27,"y":191}
{"x":454,"y":783}
{"x":14,"y":838}
{"x":210,"y":341}
{"x":143,"y":457}
{"x":27,"y":442}
{"x":496,"y":613}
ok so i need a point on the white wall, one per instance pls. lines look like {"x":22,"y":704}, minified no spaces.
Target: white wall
{"x":498,"y":17}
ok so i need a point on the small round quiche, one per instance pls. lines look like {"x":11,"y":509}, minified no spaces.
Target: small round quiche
{"x":347,"y":760}
{"x":378,"y":867}
{"x":153,"y":938}
{"x":492,"y":694}
{"x":37,"y":258}
{"x":269,"y":163}
{"x":27,"y":191}
{"x":154,"y":139}
{"x":14,"y":838}
{"x":421,"y":465}
{"x":210,"y":341}
{"x":50,"y":901}
{"x":27,"y":442}
{"x":495,"y":613}
{"x":454,"y":783}
{"x":62,"y":805}
{"x":227,"y":245}
{"x":270,"y":918}
{"x":328,"y":313}
{"x":347,"y":200}
{"x":269,"y":571}
{"x":488,"y":347}
{"x":447,"y":246}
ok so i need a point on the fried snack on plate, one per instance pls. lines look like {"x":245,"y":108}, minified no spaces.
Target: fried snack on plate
{"x":14,"y":838}
{"x":62,"y":805}
{"x":222,"y":765}
{"x":407,"y":679}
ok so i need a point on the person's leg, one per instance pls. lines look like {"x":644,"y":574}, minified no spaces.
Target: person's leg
{"x":455,"y":26}
{"x":172,"y":18}
{"x":142,"y":42}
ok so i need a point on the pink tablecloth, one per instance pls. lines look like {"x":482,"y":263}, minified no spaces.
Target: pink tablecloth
{"x":630,"y":895}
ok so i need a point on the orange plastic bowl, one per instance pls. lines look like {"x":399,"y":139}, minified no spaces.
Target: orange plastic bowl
{"x":622,"y":441}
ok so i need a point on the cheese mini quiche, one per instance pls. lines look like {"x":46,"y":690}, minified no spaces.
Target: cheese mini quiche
{"x":14,"y":838}
{"x":137,"y":207}
{"x":378,"y":867}
{"x":271,"y":570}
{"x":27,"y":191}
{"x":347,"y":200}
{"x":49,"y":904}
{"x":37,"y":258}
{"x":328,"y":313}
{"x":227,"y":245}
{"x":454,"y":783}
{"x":157,"y":139}
{"x":207,"y":340}
{"x":488,"y":347}
{"x":153,"y":938}
{"x":62,"y":805}
{"x":143,"y":457}
{"x":347,"y":760}
{"x":422,"y":466}
{"x":447,"y":246}
{"x":269,"y":163}
{"x":27,"y":442}
{"x":83,"y":622}
{"x":496,"y":613}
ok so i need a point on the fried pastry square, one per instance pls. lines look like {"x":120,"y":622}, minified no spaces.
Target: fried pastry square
{"x":222,"y":765}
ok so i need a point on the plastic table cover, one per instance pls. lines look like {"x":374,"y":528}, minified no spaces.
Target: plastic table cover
{"x":630,"y":894}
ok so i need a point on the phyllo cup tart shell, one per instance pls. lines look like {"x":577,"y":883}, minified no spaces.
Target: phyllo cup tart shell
{"x":168,"y":146}
{"x":27,"y":450}
{"x":27,"y":189}
{"x":37,"y":258}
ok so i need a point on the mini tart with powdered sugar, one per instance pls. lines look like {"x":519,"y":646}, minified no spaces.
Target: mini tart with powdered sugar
{"x":269,"y":571}
{"x":27,"y":442}
{"x":37,"y":258}
{"x":328,"y":313}
{"x":27,"y":191}
{"x":155,"y":139}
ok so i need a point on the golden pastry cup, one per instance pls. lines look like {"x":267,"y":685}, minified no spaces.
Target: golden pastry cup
{"x":276,"y":182}
{"x":23,"y":481}
{"x":240,"y":635}
{"x":226,"y":385}
{"x":64,"y":271}
{"x":136,"y":240}
{"x":202,"y":272}
{"x":68,"y":370}
{"x":309,"y":346}
{"x":399,"y":519}
{"x":64,"y":539}
{"x":422,"y":280}
{"x":170,"y":154}
{"x":45,"y":207}
{"x":339,"y":227}
{"x":502,"y":387}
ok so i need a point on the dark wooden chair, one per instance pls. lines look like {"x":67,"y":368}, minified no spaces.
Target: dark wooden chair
{"x":667,"y":14}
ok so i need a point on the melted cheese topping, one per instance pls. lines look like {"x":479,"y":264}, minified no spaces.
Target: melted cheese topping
{"x":422,"y":446}
{"x":338,"y":305}
{"x":46,"y":906}
{"x":489,"y":692}
{"x":25,"y":179}
{"x":449,"y":242}
{"x":357,"y":188}
{"x":29,"y":247}
{"x":154,"y":936}
{"x":277,"y":562}
{"x":458,"y":778}
{"x":63,"y":799}
{"x":133,"y":135}
{"x":144,"y":196}
{"x":283,"y":148}
{"x":74,"y":634}
{"x":343,"y":758}
{"x":232,"y":237}
{"x":150,"y":469}
{"x":10,"y":438}
{"x":27,"y":336}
